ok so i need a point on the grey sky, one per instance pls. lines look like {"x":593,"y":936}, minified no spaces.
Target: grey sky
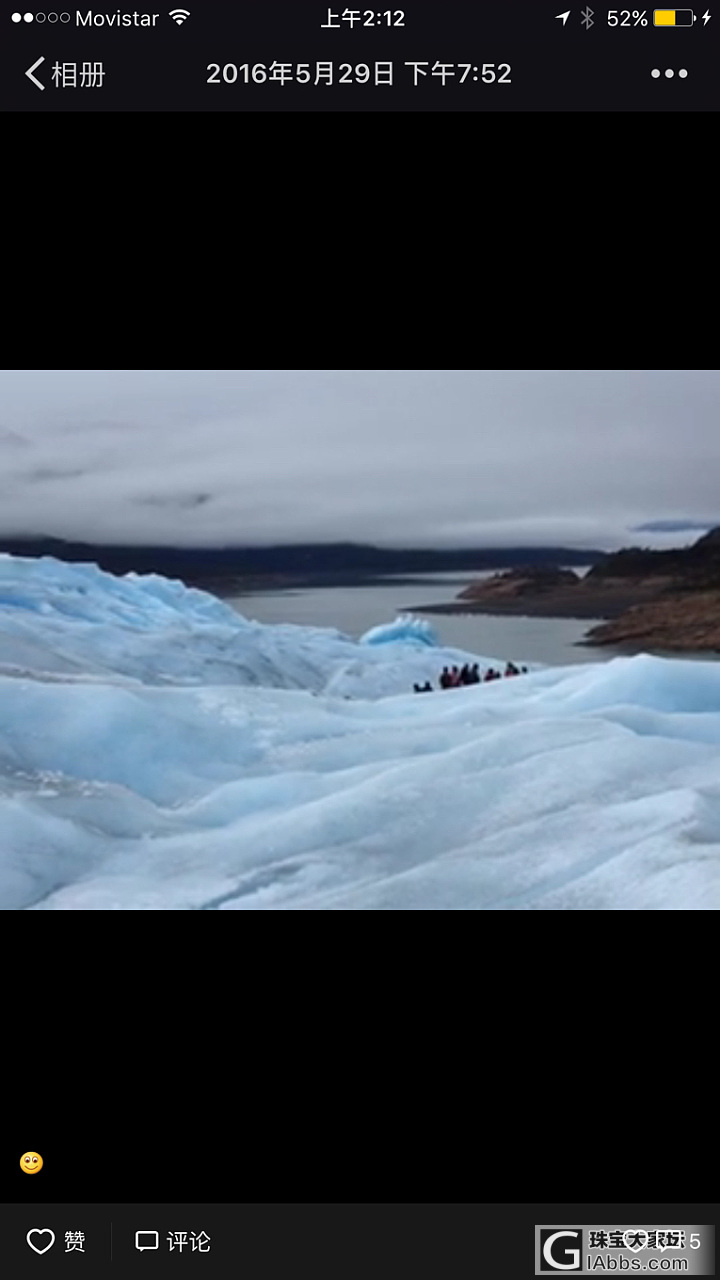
{"x":398,"y":458}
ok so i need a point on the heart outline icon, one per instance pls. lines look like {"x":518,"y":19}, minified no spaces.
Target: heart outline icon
{"x":636,"y":1231}
{"x":40,"y":1231}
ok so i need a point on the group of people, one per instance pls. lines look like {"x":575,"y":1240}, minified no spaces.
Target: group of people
{"x":453,"y":677}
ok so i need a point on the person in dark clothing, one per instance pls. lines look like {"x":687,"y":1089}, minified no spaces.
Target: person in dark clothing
{"x":511,"y":669}
{"x":417,"y":688}
{"x":445,"y":679}
{"x":427,"y":687}
{"x":524,"y":671}
{"x":465,"y":674}
{"x":454,"y":678}
{"x":474,"y":674}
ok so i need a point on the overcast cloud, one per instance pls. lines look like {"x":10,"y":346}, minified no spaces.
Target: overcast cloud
{"x":397,"y":458}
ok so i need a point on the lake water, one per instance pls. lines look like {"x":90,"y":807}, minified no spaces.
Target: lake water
{"x":354,"y":610}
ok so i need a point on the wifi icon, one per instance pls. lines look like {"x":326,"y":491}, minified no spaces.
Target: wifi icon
{"x":179,"y":15}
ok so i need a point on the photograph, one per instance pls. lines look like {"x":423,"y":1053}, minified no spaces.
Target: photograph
{"x":222,"y":591}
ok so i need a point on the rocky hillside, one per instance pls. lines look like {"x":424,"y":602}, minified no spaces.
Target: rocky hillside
{"x":651,"y":599}
{"x":685,"y":621}
{"x":529,"y":580}
{"x":685,"y":611}
{"x":686,"y":568}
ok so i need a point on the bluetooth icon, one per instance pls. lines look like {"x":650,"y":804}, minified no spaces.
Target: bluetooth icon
{"x":587,"y":18}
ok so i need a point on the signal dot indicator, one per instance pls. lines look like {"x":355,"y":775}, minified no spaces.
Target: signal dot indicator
{"x":17,"y":17}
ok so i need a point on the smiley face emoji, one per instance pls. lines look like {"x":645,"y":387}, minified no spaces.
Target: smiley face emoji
{"x":31,"y":1162}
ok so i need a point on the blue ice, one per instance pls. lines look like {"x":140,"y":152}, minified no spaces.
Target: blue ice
{"x":158,"y":751}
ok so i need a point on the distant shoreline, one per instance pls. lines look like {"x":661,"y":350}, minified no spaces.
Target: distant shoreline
{"x":232,"y":588}
{"x":257,"y":584}
{"x":555,"y":606}
{"x":594,"y":611}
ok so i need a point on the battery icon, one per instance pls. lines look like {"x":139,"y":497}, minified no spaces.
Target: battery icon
{"x":673,"y":17}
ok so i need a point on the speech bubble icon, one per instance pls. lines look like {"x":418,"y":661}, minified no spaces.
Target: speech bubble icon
{"x":635,"y":1233}
{"x":147,"y":1240}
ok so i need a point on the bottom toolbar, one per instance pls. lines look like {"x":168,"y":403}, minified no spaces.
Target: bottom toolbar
{"x":115,"y":1238}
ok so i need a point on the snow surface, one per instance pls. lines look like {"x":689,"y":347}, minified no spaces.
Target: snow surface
{"x":158,"y":751}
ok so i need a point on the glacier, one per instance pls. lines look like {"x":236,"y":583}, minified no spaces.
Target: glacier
{"x":158,"y":751}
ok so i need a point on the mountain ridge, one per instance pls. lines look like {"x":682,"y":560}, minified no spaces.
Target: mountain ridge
{"x":328,"y":560}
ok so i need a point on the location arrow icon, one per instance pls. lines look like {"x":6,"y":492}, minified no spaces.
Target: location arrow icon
{"x":564,"y":16}
{"x":29,"y":73}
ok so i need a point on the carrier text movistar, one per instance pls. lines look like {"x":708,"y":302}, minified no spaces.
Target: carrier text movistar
{"x":117,"y":19}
